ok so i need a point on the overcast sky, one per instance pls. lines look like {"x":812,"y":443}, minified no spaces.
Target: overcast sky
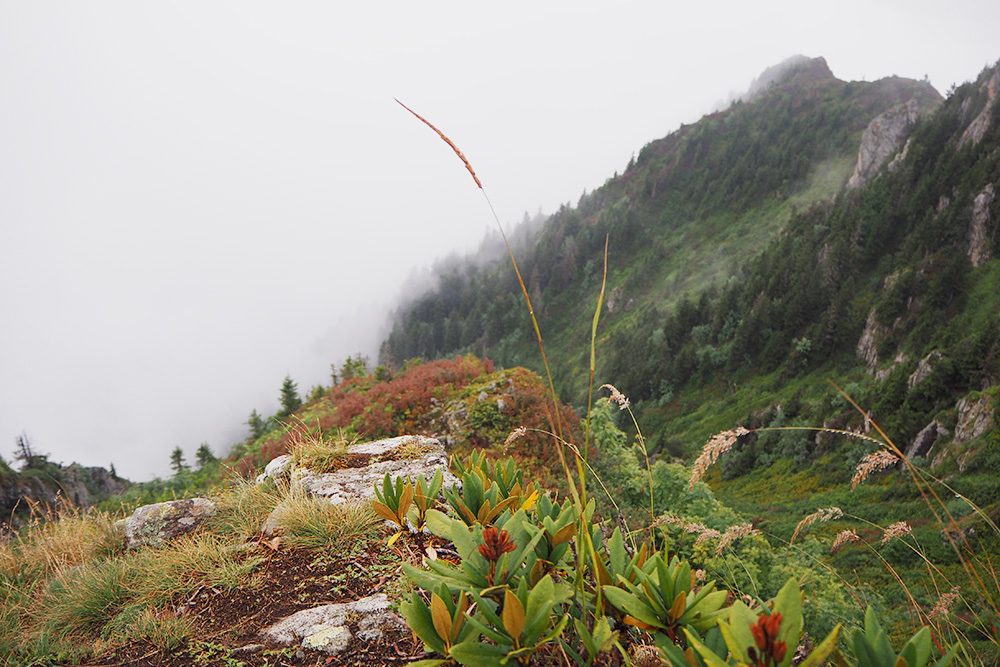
{"x":198,"y":198}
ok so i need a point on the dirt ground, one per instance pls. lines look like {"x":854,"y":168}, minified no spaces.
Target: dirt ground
{"x":289,"y":581}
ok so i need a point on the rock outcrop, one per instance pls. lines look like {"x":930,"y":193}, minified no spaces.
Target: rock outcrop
{"x":152,"y":525}
{"x":922,"y":443}
{"x":74,"y":485}
{"x":331,"y":628}
{"x":883,"y":137}
{"x":975,"y":417}
{"x":401,"y":456}
{"x":867,"y":348}
{"x":924,"y":368}
{"x":980,"y":248}
{"x":976,"y":130}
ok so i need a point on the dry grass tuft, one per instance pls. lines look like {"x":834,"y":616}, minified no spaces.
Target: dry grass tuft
{"x":310,"y":523}
{"x":56,"y":541}
{"x":316,"y":450}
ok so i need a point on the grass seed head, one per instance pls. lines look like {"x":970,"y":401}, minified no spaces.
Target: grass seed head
{"x":844,"y":537}
{"x":898,"y":529}
{"x":871,"y":464}
{"x":719,"y":444}
{"x":944,"y":604}
{"x":820,"y":515}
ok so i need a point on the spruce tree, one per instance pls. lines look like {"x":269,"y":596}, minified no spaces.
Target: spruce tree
{"x":177,"y":463}
{"x":257,"y":424}
{"x":290,"y":401}
{"x":204,"y":455}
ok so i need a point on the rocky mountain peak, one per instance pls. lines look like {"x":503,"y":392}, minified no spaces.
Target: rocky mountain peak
{"x":796,"y":69}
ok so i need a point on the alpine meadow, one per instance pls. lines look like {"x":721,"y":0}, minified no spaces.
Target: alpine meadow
{"x":736,"y":406}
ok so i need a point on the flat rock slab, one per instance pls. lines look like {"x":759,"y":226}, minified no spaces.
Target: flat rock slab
{"x":152,"y":525}
{"x":328,"y":628}
{"x":406,"y":455}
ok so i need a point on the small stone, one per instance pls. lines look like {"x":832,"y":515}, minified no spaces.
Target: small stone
{"x":248,"y":650}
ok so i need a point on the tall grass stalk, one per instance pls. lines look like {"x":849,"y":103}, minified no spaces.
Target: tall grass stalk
{"x":578,"y":494}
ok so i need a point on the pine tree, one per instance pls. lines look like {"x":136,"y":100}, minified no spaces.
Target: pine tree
{"x":290,"y":401}
{"x":27,"y":454}
{"x":177,"y":463}
{"x":257,"y":424}
{"x":204,"y":455}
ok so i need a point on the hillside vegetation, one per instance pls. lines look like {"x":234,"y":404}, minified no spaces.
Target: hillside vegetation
{"x":743,"y":277}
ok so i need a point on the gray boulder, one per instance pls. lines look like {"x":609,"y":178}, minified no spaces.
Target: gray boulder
{"x":152,"y":525}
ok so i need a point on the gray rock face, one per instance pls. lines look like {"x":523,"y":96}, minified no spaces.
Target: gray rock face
{"x":401,"y":456}
{"x":152,"y":525}
{"x":882,"y":138}
{"x":974,"y":418}
{"x":922,"y":444}
{"x":980,"y":250}
{"x":328,"y":628}
{"x":977,"y":128}
{"x":924,"y":369}
{"x":80,"y":486}
{"x":868,"y":343}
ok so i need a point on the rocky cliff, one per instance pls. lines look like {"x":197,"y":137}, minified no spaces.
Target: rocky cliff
{"x":883,"y":137}
{"x":52,"y":484}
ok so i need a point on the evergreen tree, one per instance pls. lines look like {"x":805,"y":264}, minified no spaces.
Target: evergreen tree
{"x":354,"y":367}
{"x":204,"y":455}
{"x":290,"y":401}
{"x":257,"y":424}
{"x":177,"y":463}
{"x":26,"y":453}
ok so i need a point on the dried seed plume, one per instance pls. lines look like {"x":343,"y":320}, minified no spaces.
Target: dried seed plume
{"x":898,"y":529}
{"x":871,"y":464}
{"x":820,"y":515}
{"x":448,"y":141}
{"x":616,"y":396}
{"x":844,"y":537}
{"x":719,"y":444}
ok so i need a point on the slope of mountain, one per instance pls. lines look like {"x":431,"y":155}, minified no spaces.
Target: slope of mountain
{"x":685,"y":214}
{"x":744,"y":275}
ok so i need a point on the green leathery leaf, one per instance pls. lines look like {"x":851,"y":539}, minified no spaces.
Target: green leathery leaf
{"x":418,"y":617}
{"x":477,"y":654}
{"x":632,"y":605}
{"x":708,"y":655}
{"x":917,"y":650}
{"x":541,"y":598}
{"x":440,"y":523}
{"x":736,"y":629}
{"x":789,"y":604}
